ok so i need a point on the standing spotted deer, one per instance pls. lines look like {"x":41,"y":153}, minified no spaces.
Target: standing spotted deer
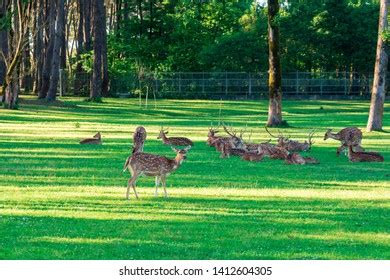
{"x":174,"y":141}
{"x":152,"y":165}
{"x":349,"y":136}
{"x":139,"y":138}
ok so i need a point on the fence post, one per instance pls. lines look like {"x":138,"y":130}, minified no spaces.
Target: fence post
{"x":179,"y":83}
{"x":296,"y":83}
{"x":155,"y":84}
{"x":250,"y":86}
{"x":226,"y":84}
{"x":203,"y":81}
{"x":345,"y":83}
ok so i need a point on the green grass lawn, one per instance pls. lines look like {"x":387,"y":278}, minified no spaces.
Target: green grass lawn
{"x":62,"y":200}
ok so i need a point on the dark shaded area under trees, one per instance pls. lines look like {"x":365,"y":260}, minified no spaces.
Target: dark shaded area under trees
{"x":184,"y":35}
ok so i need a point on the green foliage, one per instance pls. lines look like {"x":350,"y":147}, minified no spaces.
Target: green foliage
{"x":62,"y":200}
{"x":187,"y":35}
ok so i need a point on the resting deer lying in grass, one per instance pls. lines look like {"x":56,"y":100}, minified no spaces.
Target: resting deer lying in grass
{"x":363,"y":156}
{"x":293,"y":145}
{"x":139,"y":138}
{"x":295,"y":158}
{"x":349,"y":136}
{"x":228,"y":151}
{"x":253,"y":147}
{"x":272,"y":151}
{"x":174,"y":141}
{"x":277,"y":152}
{"x":251,"y":156}
{"x":95,"y":140}
{"x":153,"y":165}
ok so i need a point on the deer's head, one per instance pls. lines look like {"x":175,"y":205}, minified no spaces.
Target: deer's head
{"x":181,"y":154}
{"x":163,"y":133}
{"x":212,"y":132}
{"x":97,"y":136}
{"x":327,"y":134}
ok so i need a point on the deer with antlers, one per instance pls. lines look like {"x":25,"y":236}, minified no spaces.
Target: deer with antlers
{"x":173,"y":141}
{"x":153,"y":165}
{"x":293,"y":145}
{"x":349,"y":136}
{"x":363,"y":156}
{"x":95,"y":140}
{"x":212,"y":137}
{"x":139,"y":137}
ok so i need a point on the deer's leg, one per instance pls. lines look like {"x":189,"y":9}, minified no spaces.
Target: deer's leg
{"x":135,"y":192}
{"x":132,"y":182}
{"x":358,"y":148}
{"x":163,"y":180}
{"x":341,"y":148}
{"x":157,"y":184}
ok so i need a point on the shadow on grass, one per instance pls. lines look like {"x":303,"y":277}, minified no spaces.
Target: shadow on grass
{"x":198,"y":228}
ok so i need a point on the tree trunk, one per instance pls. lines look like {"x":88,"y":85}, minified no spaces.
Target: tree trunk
{"x":47,"y":66}
{"x":38,"y":46}
{"x":141,"y":17}
{"x":375,"y":118}
{"x":63,"y":39}
{"x":3,"y":45}
{"x":118,"y":10}
{"x":78,"y":81}
{"x":11,"y":94}
{"x":275,"y":71}
{"x":56,"y":60}
{"x":98,"y":26}
{"x":26,"y":68}
{"x":16,"y":39}
{"x":87,"y":24}
{"x":105,"y":80}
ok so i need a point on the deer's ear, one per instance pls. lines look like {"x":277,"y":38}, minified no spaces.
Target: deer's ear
{"x":187,"y":148}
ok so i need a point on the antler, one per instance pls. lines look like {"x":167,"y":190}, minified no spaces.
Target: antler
{"x":228,"y":132}
{"x":242,"y":131}
{"x":273,"y":136}
{"x":311,"y":134}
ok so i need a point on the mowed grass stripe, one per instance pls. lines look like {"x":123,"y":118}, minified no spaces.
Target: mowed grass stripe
{"x":61,"y":200}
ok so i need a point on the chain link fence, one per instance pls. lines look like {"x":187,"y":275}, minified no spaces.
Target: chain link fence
{"x":227,"y":85}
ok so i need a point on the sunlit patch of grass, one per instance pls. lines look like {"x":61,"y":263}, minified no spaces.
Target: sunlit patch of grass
{"x":61,"y":200}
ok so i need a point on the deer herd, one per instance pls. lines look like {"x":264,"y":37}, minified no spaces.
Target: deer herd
{"x":232,"y":144}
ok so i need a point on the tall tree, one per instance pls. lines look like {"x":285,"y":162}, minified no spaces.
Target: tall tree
{"x":17,"y":42}
{"x":56,"y":59}
{"x":275,"y":71}
{"x":105,"y":78}
{"x":38,"y":44}
{"x":3,"y":39}
{"x":375,"y":118}
{"x":98,"y":40}
{"x":47,"y":65}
